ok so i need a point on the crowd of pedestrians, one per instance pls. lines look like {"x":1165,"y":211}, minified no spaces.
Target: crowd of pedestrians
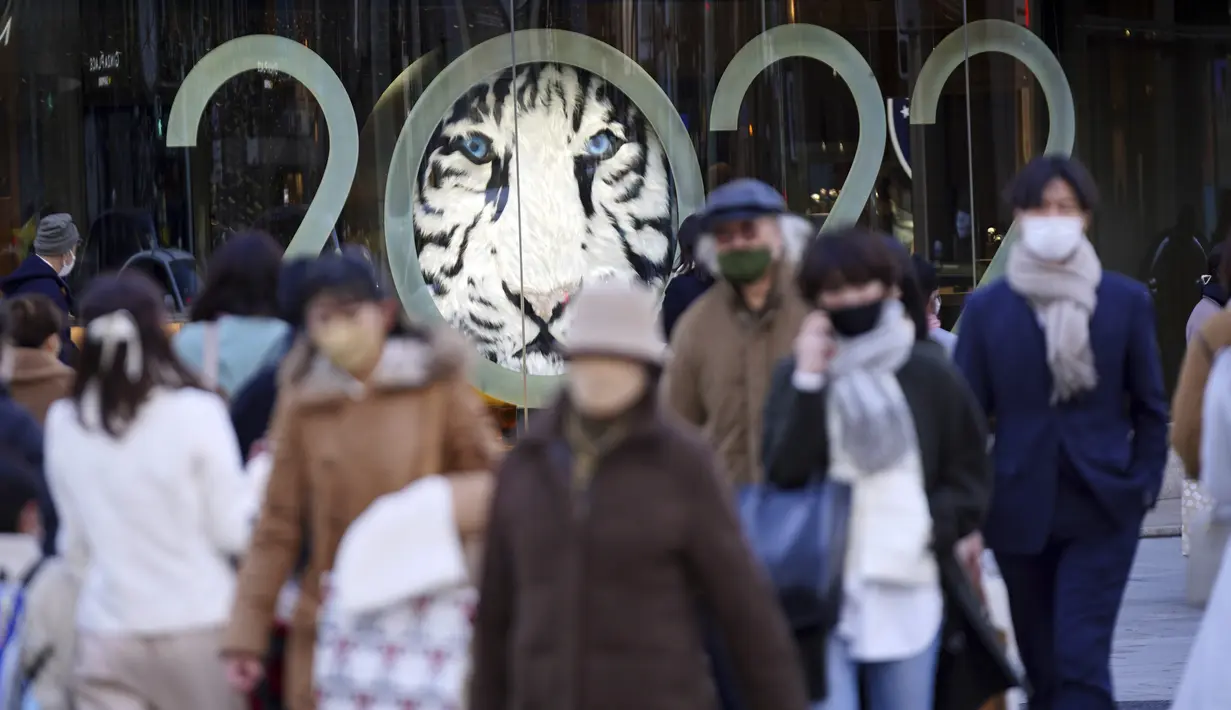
{"x":788,"y":490}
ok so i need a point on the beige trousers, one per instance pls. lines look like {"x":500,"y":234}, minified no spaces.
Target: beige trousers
{"x":175,"y":671}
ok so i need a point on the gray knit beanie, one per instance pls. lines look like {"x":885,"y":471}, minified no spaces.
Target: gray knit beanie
{"x":56,"y":235}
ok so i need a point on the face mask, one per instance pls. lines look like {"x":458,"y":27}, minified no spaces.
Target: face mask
{"x":856,"y":320}
{"x":67,"y":268}
{"x":604,"y":389}
{"x":743,"y":266}
{"x":352,"y":344}
{"x":1052,"y":238}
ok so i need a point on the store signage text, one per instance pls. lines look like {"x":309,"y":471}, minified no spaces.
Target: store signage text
{"x":104,"y":61}
{"x":265,"y":52}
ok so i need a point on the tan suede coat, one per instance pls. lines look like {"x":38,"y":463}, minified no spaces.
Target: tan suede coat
{"x":722,"y":358}
{"x":39,"y":378}
{"x":339,"y":445}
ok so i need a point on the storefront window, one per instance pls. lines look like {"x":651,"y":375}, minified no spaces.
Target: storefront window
{"x":495,"y":155}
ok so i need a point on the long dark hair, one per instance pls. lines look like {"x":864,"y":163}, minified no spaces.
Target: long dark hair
{"x":241,"y":279}
{"x":120,"y":398}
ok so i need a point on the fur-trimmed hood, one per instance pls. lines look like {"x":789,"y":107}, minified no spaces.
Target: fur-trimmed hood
{"x":35,"y":379}
{"x":409,"y":361}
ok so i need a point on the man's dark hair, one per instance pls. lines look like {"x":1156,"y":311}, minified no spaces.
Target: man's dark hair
{"x":18,"y":489}
{"x":30,"y":319}
{"x":1026,"y":190}
{"x":853,"y":256}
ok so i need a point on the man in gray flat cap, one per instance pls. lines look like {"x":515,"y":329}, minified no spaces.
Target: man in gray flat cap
{"x":45,"y":271}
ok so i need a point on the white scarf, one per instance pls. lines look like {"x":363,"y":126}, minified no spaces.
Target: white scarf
{"x":876,"y":423}
{"x":1064,"y":295}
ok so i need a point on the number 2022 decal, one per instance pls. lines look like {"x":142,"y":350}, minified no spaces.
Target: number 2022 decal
{"x":564,"y":47}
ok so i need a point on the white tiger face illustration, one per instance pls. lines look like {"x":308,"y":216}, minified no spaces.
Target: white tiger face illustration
{"x":595,"y":195}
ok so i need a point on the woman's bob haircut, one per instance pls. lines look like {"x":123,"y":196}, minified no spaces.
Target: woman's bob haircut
{"x":852,"y":256}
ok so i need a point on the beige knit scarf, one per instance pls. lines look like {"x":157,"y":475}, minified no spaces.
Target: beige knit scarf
{"x":1064,"y":295}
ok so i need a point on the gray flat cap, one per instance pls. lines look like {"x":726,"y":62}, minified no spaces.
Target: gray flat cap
{"x":56,"y":235}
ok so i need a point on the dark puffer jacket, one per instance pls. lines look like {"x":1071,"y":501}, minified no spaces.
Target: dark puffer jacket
{"x":22,"y":437}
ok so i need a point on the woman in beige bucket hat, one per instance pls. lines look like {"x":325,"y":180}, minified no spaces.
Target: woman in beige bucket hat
{"x":609,"y":525}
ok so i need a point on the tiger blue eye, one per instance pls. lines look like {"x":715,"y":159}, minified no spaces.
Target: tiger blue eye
{"x":477,"y":146}
{"x":599,"y":144}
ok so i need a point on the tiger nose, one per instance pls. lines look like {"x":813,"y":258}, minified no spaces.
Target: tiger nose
{"x":545,"y":305}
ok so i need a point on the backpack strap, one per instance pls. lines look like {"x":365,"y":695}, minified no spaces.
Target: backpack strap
{"x":44,"y":656}
{"x":31,"y":573}
{"x":19,"y":601}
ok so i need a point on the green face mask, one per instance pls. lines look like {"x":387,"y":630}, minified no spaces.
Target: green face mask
{"x":744,"y":265}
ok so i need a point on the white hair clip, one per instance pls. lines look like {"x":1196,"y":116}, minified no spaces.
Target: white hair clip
{"x":110,"y":331}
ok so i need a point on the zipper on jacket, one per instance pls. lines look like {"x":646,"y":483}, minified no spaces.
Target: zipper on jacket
{"x":582,"y":489}
{"x":581,"y":502}
{"x":581,"y":480}
{"x":580,"y":499}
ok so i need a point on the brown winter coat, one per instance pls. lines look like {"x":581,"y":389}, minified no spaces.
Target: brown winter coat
{"x":337,"y":447}
{"x":1189,"y":399}
{"x":722,"y":358}
{"x":39,"y":378}
{"x":591,"y":596}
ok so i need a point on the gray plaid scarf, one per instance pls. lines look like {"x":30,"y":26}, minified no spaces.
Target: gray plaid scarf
{"x":877,"y":427}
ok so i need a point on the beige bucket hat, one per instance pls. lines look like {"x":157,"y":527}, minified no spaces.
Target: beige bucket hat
{"x":616,"y":319}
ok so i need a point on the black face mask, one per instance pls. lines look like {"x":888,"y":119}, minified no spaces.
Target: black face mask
{"x":856,"y":320}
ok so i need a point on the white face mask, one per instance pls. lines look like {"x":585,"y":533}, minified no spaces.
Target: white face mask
{"x":67,"y":268}
{"x":1052,"y":238}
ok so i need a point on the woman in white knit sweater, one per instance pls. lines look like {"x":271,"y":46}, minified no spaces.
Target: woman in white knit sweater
{"x":146,"y":472}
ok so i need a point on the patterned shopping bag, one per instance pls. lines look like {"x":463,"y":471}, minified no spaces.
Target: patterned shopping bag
{"x":414,"y":654}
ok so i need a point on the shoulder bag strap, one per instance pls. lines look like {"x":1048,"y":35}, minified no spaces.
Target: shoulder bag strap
{"x":209,"y":356}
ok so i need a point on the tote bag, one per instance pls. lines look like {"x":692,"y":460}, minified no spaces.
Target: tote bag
{"x":394,"y":629}
{"x":800,"y":536}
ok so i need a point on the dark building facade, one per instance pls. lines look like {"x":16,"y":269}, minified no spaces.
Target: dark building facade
{"x":495,"y":154}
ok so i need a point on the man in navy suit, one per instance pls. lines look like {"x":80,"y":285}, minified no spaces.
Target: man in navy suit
{"x":44,"y":272}
{"x":1064,"y":360}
